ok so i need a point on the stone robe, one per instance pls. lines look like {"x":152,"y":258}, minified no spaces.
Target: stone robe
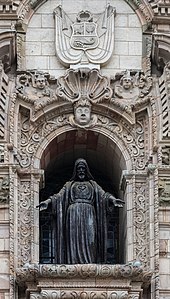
{"x":81,"y":227}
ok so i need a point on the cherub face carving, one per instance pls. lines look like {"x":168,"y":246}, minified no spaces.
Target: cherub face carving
{"x":40,"y":82}
{"x":127,"y":83}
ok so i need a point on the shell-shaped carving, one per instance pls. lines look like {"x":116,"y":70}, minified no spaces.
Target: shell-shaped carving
{"x":84,"y":84}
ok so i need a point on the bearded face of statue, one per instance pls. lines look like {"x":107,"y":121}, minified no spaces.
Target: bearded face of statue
{"x":82,"y":115}
{"x":81,"y":171}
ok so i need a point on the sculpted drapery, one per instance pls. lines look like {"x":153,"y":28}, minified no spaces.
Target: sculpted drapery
{"x":80,"y":209}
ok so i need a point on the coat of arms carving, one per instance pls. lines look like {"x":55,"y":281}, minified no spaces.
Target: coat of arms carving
{"x":87,"y":40}
{"x":84,"y":32}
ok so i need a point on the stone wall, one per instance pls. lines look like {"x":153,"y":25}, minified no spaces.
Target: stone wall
{"x":40,"y":50}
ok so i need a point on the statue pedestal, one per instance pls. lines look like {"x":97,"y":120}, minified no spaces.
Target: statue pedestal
{"x":88,"y":281}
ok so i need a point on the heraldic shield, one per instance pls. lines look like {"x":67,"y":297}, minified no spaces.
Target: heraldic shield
{"x":90,"y":37}
{"x":84,"y":36}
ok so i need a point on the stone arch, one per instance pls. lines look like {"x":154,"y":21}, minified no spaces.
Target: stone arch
{"x":144,"y":10}
{"x":107,"y":159}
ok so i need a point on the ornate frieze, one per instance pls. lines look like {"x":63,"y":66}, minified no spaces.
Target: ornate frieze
{"x":31,"y":272}
{"x":88,"y":40}
{"x":70,"y":294}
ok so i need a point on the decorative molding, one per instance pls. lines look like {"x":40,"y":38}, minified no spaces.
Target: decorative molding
{"x":156,"y":277}
{"x":141,"y":223}
{"x":32,"y":134}
{"x":8,"y":9}
{"x":24,"y":223}
{"x":70,"y":294}
{"x":12,"y":231}
{"x":31,"y":272}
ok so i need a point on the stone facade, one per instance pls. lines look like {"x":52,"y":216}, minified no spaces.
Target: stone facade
{"x":85,"y":79}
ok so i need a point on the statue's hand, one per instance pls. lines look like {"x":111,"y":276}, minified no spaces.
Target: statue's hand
{"x":42,"y":206}
{"x":117,"y":202}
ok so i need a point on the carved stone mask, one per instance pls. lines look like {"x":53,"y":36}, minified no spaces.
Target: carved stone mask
{"x":82,"y":115}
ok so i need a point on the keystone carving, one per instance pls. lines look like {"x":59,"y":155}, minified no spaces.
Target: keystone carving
{"x":82,"y":117}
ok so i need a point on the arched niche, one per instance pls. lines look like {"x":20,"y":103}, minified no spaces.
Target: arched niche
{"x":106,"y":162}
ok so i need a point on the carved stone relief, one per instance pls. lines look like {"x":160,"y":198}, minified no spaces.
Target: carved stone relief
{"x":4,"y":189}
{"x":36,"y":88}
{"x":24,"y":222}
{"x":164,"y":192}
{"x":84,"y":84}
{"x":85,"y":41}
{"x":83,"y":281}
{"x":83,"y":118}
{"x":141,"y":221}
{"x":1,"y":153}
{"x":131,"y":91}
{"x":31,"y":272}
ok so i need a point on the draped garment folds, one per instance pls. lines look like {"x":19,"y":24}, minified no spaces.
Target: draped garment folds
{"x":81,"y":228}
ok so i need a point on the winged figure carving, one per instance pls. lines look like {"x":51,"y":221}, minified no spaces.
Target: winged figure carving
{"x":84,"y":41}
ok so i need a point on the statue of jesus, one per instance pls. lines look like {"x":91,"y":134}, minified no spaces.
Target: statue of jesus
{"x":81,"y":225}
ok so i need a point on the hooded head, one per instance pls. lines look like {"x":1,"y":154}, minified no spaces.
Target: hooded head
{"x":81,"y":170}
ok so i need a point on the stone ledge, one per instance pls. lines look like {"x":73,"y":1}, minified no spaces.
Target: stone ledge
{"x":37,"y":272}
